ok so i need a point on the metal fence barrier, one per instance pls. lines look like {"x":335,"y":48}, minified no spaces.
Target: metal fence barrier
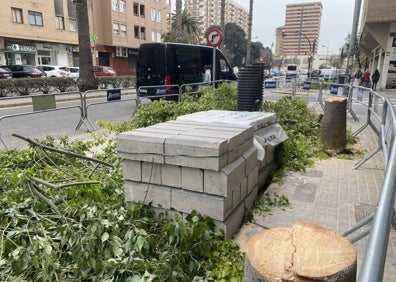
{"x":179,"y":90}
{"x":381,"y":118}
{"x":114,"y":95}
{"x":43,"y":103}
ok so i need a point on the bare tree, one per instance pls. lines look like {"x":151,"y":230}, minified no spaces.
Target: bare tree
{"x":86,"y":79}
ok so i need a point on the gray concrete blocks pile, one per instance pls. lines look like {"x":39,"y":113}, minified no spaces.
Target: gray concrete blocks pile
{"x":186,"y":165}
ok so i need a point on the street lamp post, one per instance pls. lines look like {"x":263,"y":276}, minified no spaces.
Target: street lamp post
{"x":310,"y":55}
{"x":311,"y":50}
{"x":327,"y":53}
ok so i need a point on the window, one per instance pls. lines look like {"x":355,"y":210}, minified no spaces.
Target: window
{"x":116,"y":29}
{"x":114,"y":5}
{"x":17,"y":15}
{"x":58,"y":7}
{"x":122,"y":6}
{"x":155,"y":36}
{"x":142,"y":14}
{"x":71,"y":11}
{"x":135,"y":9}
{"x":143,"y":33}
{"x":35,"y":18}
{"x":60,"y":23}
{"x":123,"y":30}
{"x":156,"y":15}
{"x":72,"y":24}
{"x":136,"y":32}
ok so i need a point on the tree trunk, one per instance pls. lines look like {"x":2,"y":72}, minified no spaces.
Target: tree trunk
{"x":86,"y":80}
{"x":303,"y":252}
{"x":178,"y":22}
{"x":334,"y":124}
{"x":249,"y":35}
{"x":222,"y":15}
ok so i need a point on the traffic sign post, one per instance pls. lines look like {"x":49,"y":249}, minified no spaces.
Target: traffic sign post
{"x":214,"y":37}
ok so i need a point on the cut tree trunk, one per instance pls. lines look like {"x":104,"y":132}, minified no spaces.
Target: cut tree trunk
{"x":303,"y":252}
{"x":334,"y":124}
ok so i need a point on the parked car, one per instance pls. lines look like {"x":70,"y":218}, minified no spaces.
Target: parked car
{"x":55,"y":71}
{"x":74,"y":72}
{"x":104,"y":71}
{"x":5,"y":73}
{"x":25,"y":71}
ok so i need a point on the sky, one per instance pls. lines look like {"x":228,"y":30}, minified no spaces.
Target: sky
{"x":337,"y":17}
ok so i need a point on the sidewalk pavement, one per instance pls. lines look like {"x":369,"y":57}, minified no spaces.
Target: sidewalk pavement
{"x":332,"y":194}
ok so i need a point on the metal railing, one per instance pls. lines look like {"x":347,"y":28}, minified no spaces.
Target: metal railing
{"x":112,"y":96}
{"x":42,"y":103}
{"x":177,"y":90}
{"x":381,"y":118}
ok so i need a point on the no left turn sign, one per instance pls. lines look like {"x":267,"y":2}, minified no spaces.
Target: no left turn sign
{"x":214,"y":37}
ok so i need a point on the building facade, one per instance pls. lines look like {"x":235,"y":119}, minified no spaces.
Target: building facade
{"x":209,"y":13}
{"x":37,"y":32}
{"x":45,"y":32}
{"x":121,"y":26}
{"x":300,"y":34}
{"x":378,"y":39}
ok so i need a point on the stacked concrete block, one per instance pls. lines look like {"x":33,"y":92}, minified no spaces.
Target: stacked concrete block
{"x":187,"y":165}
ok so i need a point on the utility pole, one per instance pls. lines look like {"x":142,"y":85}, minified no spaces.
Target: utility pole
{"x":352,"y":42}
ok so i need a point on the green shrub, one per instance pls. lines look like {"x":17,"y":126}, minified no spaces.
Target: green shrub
{"x":303,"y":128}
{"x":223,"y":98}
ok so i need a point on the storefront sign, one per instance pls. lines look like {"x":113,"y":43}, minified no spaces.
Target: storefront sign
{"x":20,"y":48}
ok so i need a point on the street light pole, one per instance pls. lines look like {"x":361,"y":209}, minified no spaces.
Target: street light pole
{"x":311,"y":50}
{"x":310,"y":55}
{"x":327,"y":53}
{"x":352,"y":42}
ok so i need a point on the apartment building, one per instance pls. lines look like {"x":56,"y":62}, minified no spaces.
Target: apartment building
{"x":121,"y":26}
{"x":209,"y":13}
{"x":37,"y":32}
{"x":378,"y":39}
{"x":300,"y":34}
{"x":45,"y":32}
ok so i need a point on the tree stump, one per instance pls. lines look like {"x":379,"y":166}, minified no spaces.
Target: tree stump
{"x":334,"y":124}
{"x":303,"y":252}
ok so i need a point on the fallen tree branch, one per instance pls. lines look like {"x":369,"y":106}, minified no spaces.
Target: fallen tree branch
{"x":44,"y":198}
{"x":41,"y":181}
{"x":71,"y":154}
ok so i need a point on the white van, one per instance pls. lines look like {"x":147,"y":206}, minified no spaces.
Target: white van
{"x":291,"y":70}
{"x":329,"y":74}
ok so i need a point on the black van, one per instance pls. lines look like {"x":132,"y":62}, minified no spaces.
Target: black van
{"x":168,"y":64}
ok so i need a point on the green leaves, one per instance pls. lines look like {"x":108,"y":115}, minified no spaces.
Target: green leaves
{"x":96,"y":236}
{"x":303,"y":128}
{"x":105,"y":236}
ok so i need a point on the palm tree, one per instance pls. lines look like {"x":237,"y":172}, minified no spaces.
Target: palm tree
{"x":249,"y":35}
{"x":190,"y":29}
{"x":86,"y":79}
{"x":222,"y":20}
{"x":178,"y":21}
